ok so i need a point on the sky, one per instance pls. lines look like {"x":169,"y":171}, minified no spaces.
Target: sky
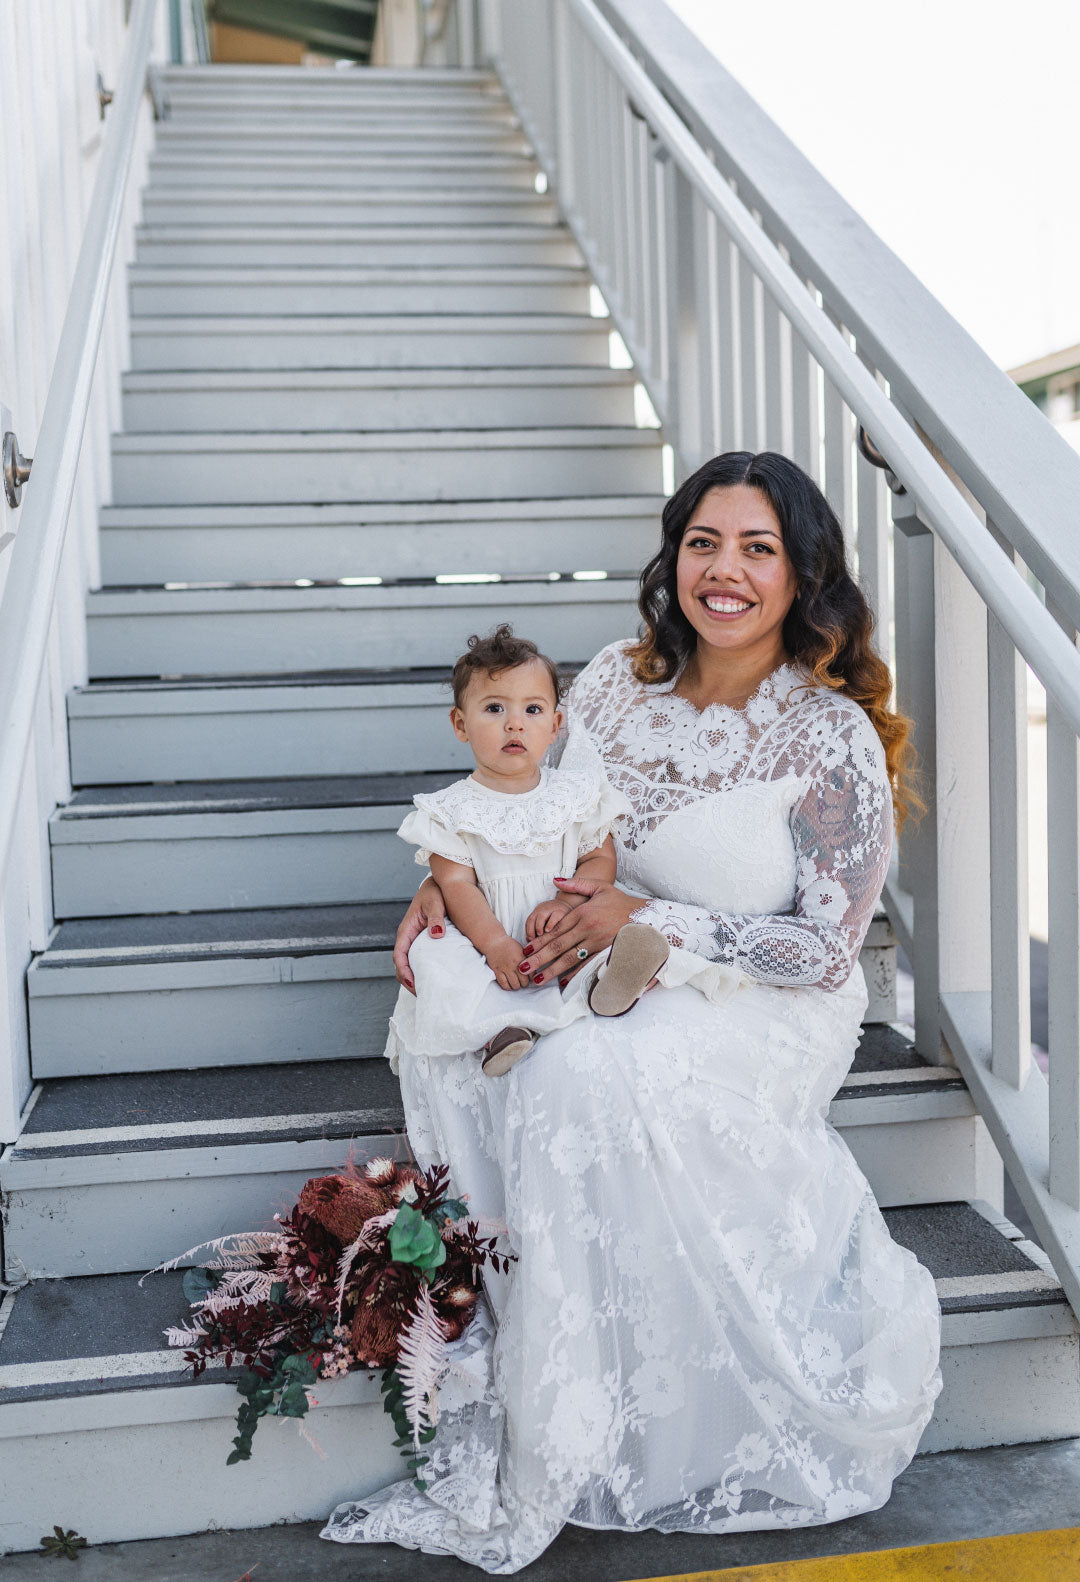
{"x":953,"y":128}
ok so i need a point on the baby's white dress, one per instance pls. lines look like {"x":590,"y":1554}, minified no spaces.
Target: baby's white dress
{"x":516,"y":842}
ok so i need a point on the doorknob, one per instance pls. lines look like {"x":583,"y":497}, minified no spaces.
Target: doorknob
{"x":16,"y":469}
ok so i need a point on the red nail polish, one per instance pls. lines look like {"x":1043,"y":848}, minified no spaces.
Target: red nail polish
{"x":560,"y":878}
{"x":563,"y":982}
{"x":523,"y":966}
{"x":538,"y":977}
{"x":436,"y":932}
{"x":529,"y":949}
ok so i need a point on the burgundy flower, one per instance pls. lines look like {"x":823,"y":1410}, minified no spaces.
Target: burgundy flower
{"x":384,"y":1301}
{"x":341,"y":1204}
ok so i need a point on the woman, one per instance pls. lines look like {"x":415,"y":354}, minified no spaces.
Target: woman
{"x":708,"y":1327}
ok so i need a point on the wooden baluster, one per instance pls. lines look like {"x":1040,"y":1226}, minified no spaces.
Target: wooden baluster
{"x":749,"y":437}
{"x":1010,"y":949}
{"x":774,"y":373}
{"x":917,"y":697}
{"x":724,"y":261}
{"x":1063,"y":835}
{"x":805,"y":409}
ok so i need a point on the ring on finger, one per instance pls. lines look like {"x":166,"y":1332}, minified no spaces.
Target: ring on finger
{"x":582,"y":952}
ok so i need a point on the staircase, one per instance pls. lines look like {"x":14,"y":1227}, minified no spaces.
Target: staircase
{"x":371,"y":409}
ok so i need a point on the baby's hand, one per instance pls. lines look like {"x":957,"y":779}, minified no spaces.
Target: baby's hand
{"x":504,"y":959}
{"x":546,"y":915}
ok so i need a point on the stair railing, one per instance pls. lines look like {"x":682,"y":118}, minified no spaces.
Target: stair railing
{"x":28,"y":604}
{"x":762,"y":313}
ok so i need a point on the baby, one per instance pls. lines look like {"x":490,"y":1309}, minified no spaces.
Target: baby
{"x":494,"y":843}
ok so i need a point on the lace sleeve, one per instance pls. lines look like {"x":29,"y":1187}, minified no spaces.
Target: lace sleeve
{"x":842,"y":830}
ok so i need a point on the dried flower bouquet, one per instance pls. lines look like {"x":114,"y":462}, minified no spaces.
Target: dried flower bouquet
{"x":369,"y":1270}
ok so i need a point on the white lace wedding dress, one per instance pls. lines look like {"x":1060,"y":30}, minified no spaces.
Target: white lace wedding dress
{"x":708,"y":1327}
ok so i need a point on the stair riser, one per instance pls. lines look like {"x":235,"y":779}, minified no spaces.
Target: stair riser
{"x":195,"y":175}
{"x":277,"y":250}
{"x":213,"y":862}
{"x":281,"y":410}
{"x":113,"y":1464}
{"x":231,"y":207}
{"x":359,"y":296}
{"x":289,"y":343}
{"x":275,"y":640}
{"x":282,"y":249}
{"x":242,"y":1010}
{"x":1004,"y":1393}
{"x":133,"y":1211}
{"x":85,"y":1022}
{"x":208,"y":137}
{"x":274,"y":113}
{"x":152,"y":1206}
{"x":145,"y":1479}
{"x":141,"y":555}
{"x":265,"y":732}
{"x":238,"y":475}
{"x":276,"y":107}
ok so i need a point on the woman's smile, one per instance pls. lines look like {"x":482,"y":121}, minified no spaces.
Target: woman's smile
{"x":726,"y":606}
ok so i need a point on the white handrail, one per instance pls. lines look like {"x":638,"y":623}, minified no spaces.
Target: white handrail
{"x":762,"y":313}
{"x":1054,"y":659}
{"x":27,"y":605}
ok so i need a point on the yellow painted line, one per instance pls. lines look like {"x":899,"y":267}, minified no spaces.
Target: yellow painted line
{"x":1019,"y":1557}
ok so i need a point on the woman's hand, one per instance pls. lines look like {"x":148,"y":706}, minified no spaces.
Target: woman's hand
{"x":594,"y":924}
{"x":426,"y":910}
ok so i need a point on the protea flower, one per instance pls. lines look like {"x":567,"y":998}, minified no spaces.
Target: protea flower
{"x":341,"y":1204}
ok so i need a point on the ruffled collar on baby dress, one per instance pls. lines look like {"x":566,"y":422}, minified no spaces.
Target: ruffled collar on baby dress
{"x":524,"y":823}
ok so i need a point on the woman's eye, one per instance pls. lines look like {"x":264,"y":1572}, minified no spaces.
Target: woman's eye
{"x":769,"y":550}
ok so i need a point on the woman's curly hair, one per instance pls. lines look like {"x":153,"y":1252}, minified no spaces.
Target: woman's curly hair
{"x":828,"y":629}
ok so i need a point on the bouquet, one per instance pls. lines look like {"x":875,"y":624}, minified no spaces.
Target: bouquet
{"x":373,"y":1270}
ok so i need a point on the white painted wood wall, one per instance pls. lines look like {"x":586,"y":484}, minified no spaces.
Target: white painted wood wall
{"x":50,"y":143}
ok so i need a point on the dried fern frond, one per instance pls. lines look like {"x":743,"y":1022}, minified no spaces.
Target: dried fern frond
{"x":421,"y":1364}
{"x":242,"y":1250}
{"x":185,"y":1335}
{"x":477,"y":1223}
{"x":238,"y":1287}
{"x":305,"y":1433}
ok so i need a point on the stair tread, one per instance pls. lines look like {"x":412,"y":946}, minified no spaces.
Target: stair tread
{"x":619,"y":436}
{"x":373,"y":378}
{"x":419,"y":676}
{"x":115,"y":1325}
{"x":356,"y":274}
{"x":148,"y":1111}
{"x":363,"y":925}
{"x":361,"y":512}
{"x":194,"y":936}
{"x":217,"y":796}
{"x":365,"y":323}
{"x":354,"y":594}
{"x":166,"y":231}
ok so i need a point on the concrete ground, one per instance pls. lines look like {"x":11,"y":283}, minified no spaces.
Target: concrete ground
{"x":962,"y":1494}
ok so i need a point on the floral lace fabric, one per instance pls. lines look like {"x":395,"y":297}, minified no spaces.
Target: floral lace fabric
{"x":666,"y":757}
{"x":526,"y":824}
{"x":708,"y":1327}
